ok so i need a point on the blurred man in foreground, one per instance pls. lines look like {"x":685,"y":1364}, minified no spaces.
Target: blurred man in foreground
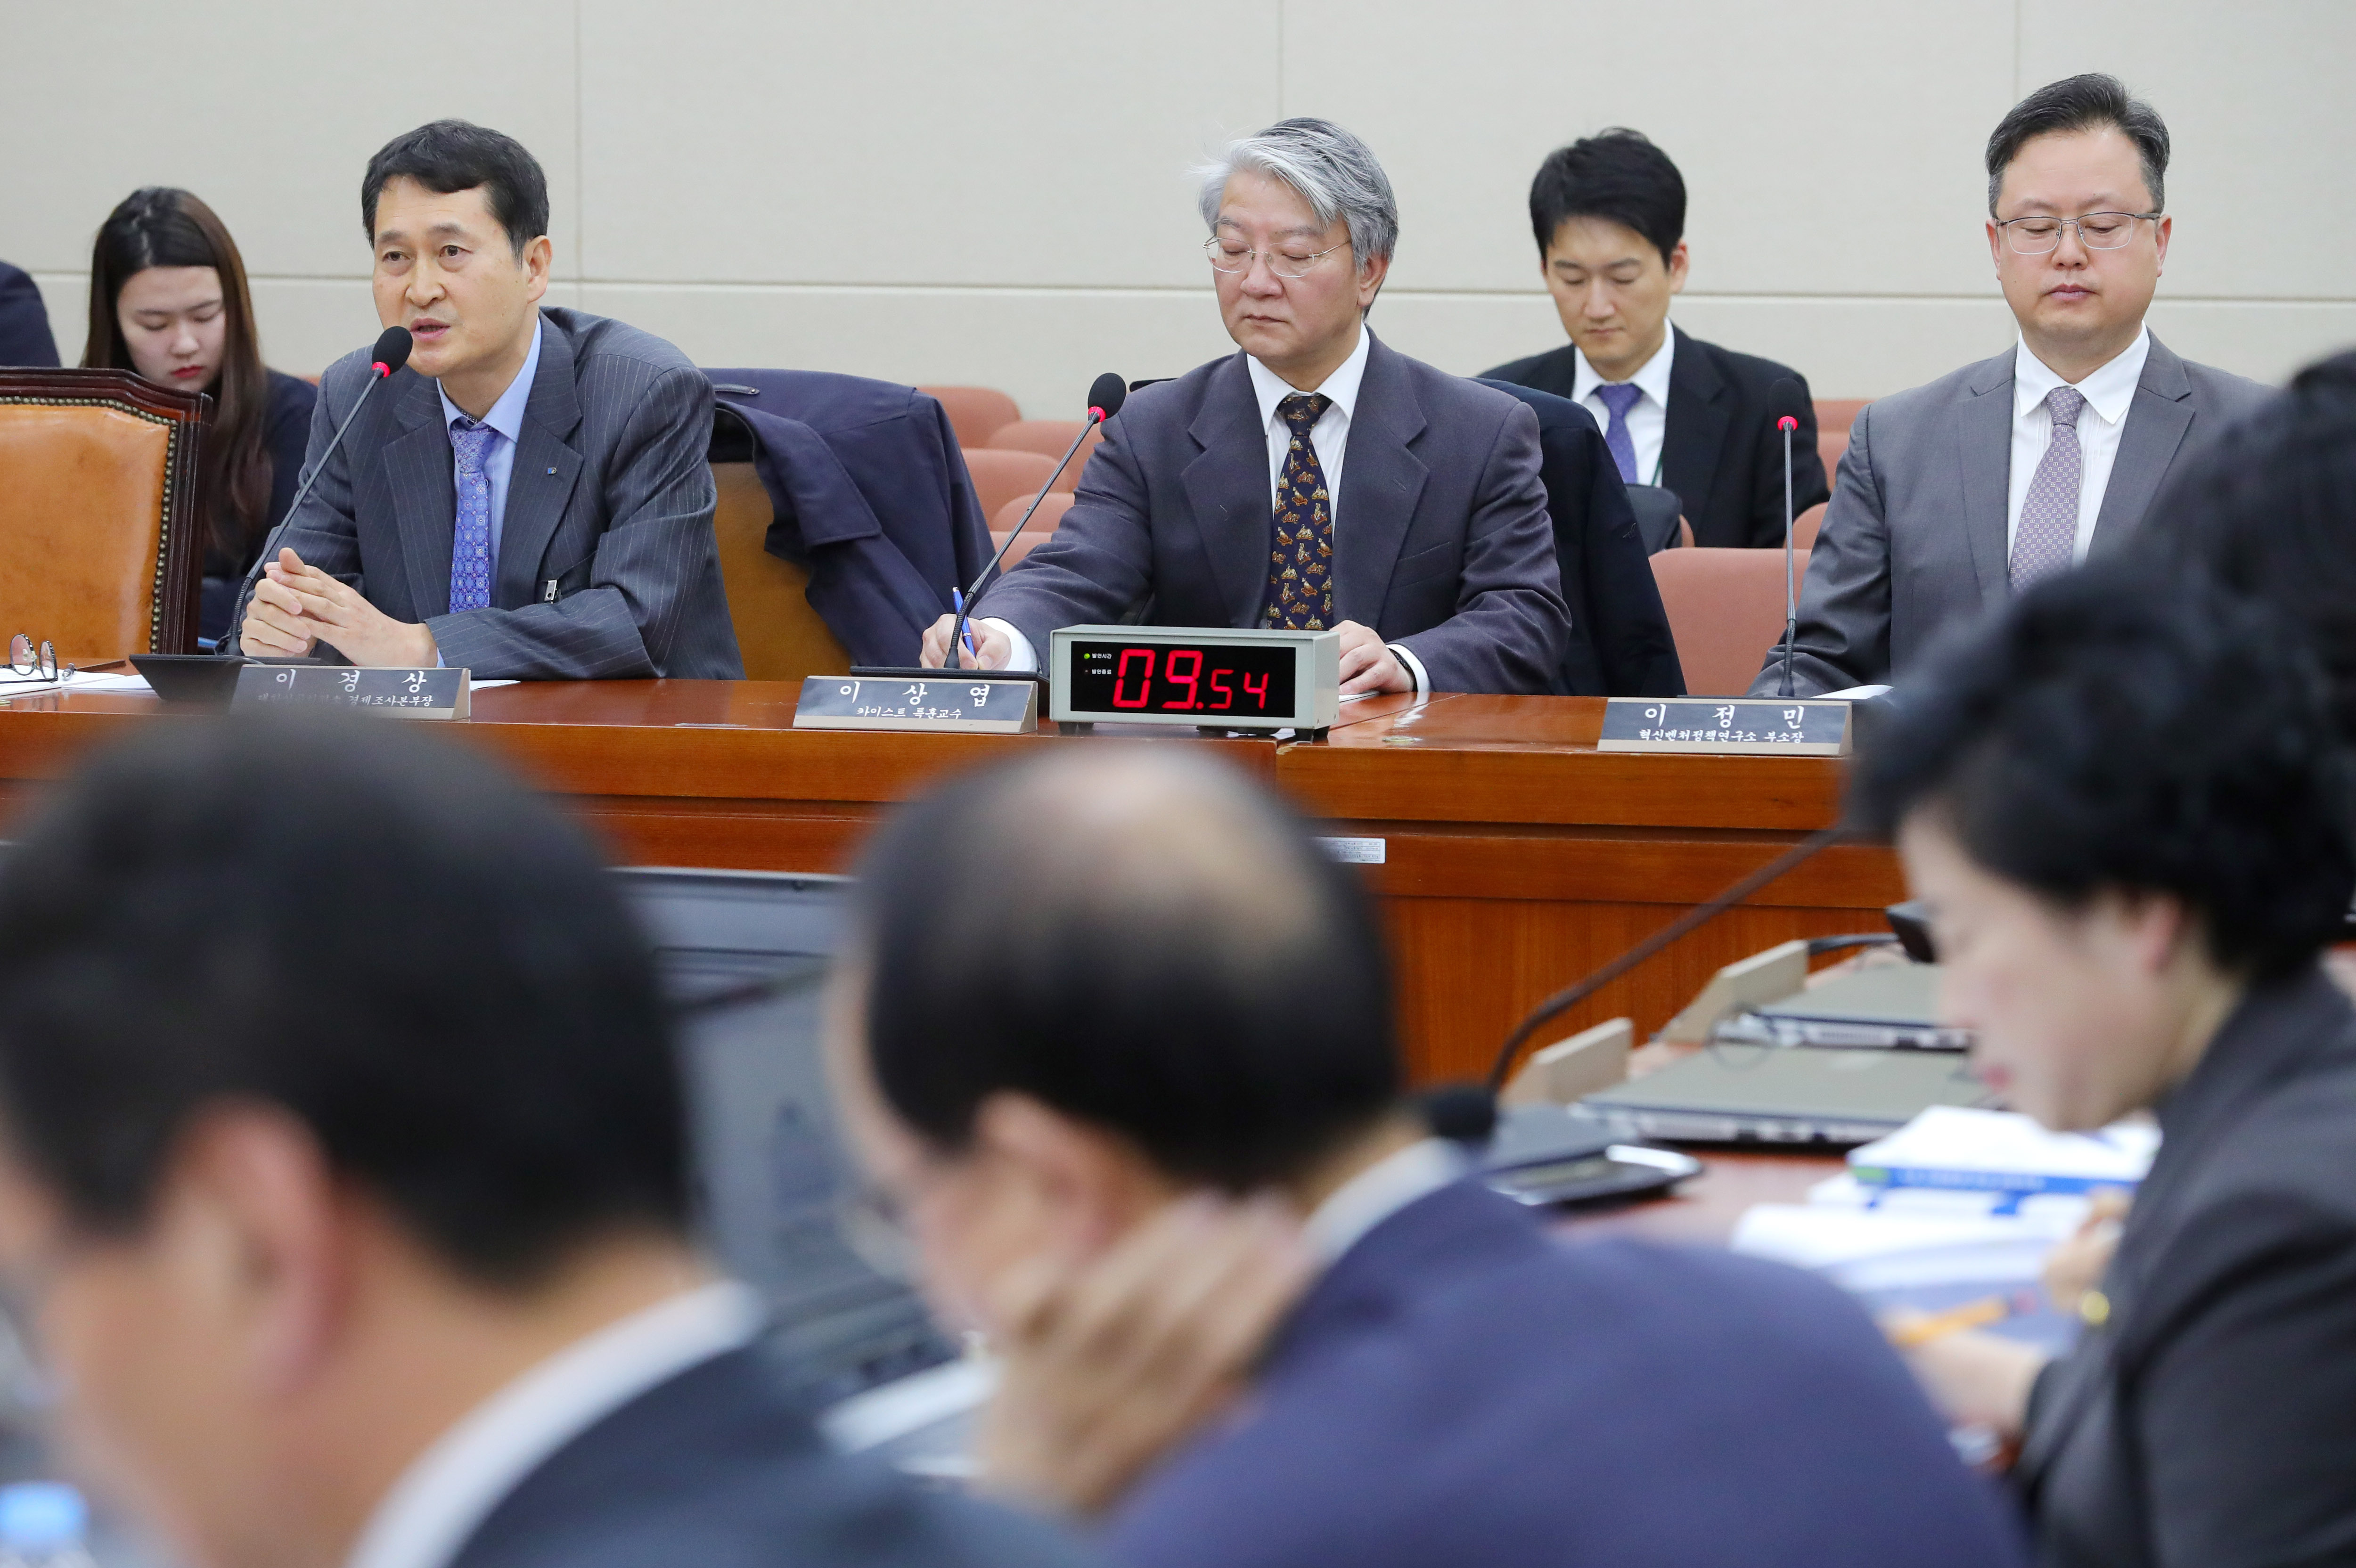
{"x":1086,"y":998}
{"x":344,"y":1184}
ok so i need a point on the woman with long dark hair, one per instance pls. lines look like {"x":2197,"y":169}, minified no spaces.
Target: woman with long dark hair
{"x":169,"y":300}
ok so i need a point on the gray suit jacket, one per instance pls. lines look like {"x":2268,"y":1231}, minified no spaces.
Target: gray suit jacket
{"x":720,"y":1468}
{"x":1914,"y":539}
{"x":610,"y":497}
{"x":1440,"y":539}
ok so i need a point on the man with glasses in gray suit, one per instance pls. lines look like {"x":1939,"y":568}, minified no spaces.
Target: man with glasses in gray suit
{"x":1220,"y":498}
{"x":1956,"y":494}
{"x":527,"y":497}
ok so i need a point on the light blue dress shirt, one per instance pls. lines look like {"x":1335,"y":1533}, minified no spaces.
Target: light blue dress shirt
{"x":506,"y":418}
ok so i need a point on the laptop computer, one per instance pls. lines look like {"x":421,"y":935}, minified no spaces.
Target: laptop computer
{"x":772,"y":1172}
{"x":1775,"y":1094}
{"x":1889,"y":1006}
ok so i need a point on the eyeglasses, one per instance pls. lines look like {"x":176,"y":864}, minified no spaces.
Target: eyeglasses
{"x":2096,"y":231}
{"x":1228,"y":257}
{"x":30,"y":662}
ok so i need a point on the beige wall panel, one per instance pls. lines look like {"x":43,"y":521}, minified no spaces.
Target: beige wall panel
{"x":1043,"y":347}
{"x":1779,"y":116}
{"x":267,"y":109}
{"x":2260,"y":117}
{"x":1022,"y":143}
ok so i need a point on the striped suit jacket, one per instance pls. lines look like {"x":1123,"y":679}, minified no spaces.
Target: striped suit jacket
{"x":606,"y":568}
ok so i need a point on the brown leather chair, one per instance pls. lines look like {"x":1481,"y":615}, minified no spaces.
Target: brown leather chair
{"x":1837,"y":414}
{"x":1053,"y":438}
{"x":1830,"y":444}
{"x":1000,"y":475}
{"x":780,"y":634}
{"x":1726,"y":610}
{"x":1051,"y":512}
{"x":99,"y":547}
{"x":976,"y":413}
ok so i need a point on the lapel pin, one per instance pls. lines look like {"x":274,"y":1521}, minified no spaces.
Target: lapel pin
{"x":551,"y":474}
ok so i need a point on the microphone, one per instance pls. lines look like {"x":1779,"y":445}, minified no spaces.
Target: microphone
{"x":1786,"y":400}
{"x":1700,"y":914}
{"x":1106,"y":395}
{"x":391,"y":353}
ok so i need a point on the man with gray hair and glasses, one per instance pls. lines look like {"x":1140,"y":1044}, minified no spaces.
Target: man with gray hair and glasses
{"x":1956,"y":496}
{"x":1218,"y":498}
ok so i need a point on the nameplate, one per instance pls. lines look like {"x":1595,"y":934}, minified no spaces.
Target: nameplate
{"x":1356,"y":851}
{"x":973,"y":707}
{"x":408,"y":693}
{"x":1730,"y":726}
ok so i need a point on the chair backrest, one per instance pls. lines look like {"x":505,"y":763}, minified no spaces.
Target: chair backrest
{"x":1726,"y":610}
{"x":780,"y":634}
{"x":1805,"y":526}
{"x":1830,"y":444}
{"x":1050,"y":513}
{"x":976,"y":413}
{"x":99,"y":545}
{"x":1837,"y":414}
{"x":1053,"y":438}
{"x":1001,"y":474}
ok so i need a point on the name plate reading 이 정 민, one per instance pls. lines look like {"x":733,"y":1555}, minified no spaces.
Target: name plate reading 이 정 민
{"x":907,"y":702}
{"x":1730,"y":726}
{"x":407,"y":693}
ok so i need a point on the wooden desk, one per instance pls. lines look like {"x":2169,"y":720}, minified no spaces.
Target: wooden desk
{"x":1517,"y":855}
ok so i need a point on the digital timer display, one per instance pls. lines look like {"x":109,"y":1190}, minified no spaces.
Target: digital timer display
{"x":1213,"y":679}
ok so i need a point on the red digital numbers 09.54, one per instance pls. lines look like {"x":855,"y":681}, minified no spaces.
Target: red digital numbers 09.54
{"x":1184,"y":686}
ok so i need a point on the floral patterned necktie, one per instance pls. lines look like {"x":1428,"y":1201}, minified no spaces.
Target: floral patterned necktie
{"x":1300,"y":561}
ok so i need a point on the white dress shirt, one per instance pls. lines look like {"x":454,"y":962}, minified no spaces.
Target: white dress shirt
{"x":450,"y":1489}
{"x":507,"y":419}
{"x":2109,"y":392}
{"x":1330,"y":436}
{"x":1379,"y":1191}
{"x":1648,"y":417}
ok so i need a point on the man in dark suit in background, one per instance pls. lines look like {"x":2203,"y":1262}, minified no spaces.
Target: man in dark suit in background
{"x":1085,"y":994}
{"x":1955,"y":494}
{"x":1222,"y":498}
{"x":24,"y":337}
{"x":346,"y":1182}
{"x":1609,"y":216}
{"x":1619,"y":642}
{"x":529,"y":498}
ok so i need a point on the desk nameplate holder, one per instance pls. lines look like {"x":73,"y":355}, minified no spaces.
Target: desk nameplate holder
{"x":404,"y":693}
{"x":1728,"y":726}
{"x":965,"y":704}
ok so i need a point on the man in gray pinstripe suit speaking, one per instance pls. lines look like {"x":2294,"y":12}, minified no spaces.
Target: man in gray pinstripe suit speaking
{"x":529,"y":497}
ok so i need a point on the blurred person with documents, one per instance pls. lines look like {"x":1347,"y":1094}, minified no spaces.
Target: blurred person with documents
{"x":345,"y":1187}
{"x":1110,"y":1029}
{"x":2126,"y":804}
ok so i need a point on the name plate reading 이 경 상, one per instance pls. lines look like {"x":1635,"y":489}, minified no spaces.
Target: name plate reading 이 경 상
{"x":404,"y":693}
{"x":1742,"y":727}
{"x":914,"y":702}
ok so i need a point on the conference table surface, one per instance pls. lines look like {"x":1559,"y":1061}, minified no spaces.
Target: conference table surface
{"x":1508,"y":855}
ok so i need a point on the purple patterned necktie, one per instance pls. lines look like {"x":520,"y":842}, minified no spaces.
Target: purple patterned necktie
{"x":2046,"y":538}
{"x":1620,"y":399}
{"x":1300,"y":562}
{"x":470,"y":548}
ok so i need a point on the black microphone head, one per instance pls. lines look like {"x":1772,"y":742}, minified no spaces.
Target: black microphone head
{"x":1786,"y":400}
{"x":391,"y":350}
{"x":1106,"y":394}
{"x":1461,"y":1113}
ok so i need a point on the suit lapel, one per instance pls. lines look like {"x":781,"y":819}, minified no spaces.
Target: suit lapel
{"x":541,"y":482}
{"x":1699,"y":415}
{"x":1381,"y":482}
{"x":1984,"y":457}
{"x":1228,"y":486}
{"x":420,"y":469}
{"x":2158,"y":418}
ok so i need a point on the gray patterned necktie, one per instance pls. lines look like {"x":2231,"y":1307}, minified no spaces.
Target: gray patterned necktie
{"x":2046,"y":542}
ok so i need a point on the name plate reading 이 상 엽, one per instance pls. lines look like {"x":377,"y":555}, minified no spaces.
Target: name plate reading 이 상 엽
{"x":1730,"y":726}
{"x":913,"y":702}
{"x":404,"y":693}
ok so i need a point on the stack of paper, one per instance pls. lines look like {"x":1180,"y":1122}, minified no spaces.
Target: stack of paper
{"x":1951,"y":1148}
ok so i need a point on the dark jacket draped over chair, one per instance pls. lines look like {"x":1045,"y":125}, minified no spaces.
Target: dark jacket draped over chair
{"x":872,"y":495}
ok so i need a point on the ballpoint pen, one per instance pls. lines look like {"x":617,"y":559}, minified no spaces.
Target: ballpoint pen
{"x":956,"y":602}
